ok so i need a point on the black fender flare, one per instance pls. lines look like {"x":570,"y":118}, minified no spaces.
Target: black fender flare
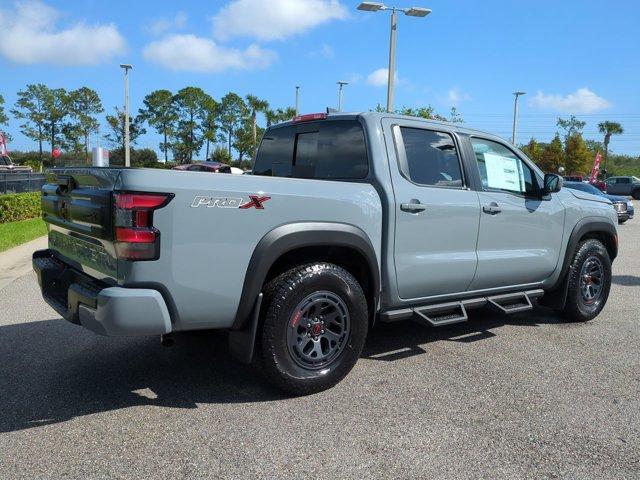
{"x":291,"y":236}
{"x":269,"y":249}
{"x":556,"y":296}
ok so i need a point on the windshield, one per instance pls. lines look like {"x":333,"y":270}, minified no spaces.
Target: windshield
{"x":583,"y":187}
{"x":4,"y":160}
{"x":635,"y":179}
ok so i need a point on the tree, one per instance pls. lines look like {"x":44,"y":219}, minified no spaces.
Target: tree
{"x":233,"y":111}
{"x":188,"y":139}
{"x":3,"y":116}
{"x":579,"y":157}
{"x":57,"y":107}
{"x":570,"y":126}
{"x":256,"y":105}
{"x":221,"y":154}
{"x":533,"y":150}
{"x":244,"y":140}
{"x":279,"y":115}
{"x":31,"y":108}
{"x":85,"y":104}
{"x":552,"y":156}
{"x":116,"y":134}
{"x":427,"y":112}
{"x":210,"y":123}
{"x":160,"y":113}
{"x":454,"y":116}
{"x":609,"y":129}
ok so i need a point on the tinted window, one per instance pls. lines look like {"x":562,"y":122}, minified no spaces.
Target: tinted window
{"x":501,"y":169}
{"x":624,"y":180}
{"x":323,"y":150}
{"x":4,"y":161}
{"x":432,"y":158}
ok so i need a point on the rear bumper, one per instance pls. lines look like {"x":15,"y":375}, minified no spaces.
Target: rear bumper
{"x":103,"y":309}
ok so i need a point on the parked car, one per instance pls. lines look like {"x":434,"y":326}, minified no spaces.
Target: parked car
{"x":214,"y":167}
{"x":347,"y":220}
{"x":237,"y":171}
{"x":573,"y":178}
{"x":622,"y":206}
{"x":7,"y":166}
{"x":624,"y":186}
{"x":600,"y":185}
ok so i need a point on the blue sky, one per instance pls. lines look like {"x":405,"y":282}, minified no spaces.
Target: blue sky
{"x":570,"y":56}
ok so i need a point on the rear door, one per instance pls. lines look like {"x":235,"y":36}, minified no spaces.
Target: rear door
{"x":437,"y":215}
{"x":520,"y":233}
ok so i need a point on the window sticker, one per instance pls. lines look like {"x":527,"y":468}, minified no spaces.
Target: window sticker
{"x":503,"y":173}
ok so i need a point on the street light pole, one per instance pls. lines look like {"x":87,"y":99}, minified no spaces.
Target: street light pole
{"x":127,"y":149}
{"x":411,"y":12}
{"x":392,"y":59}
{"x":515,"y":116}
{"x":297,"y":100}
{"x":341,"y":84}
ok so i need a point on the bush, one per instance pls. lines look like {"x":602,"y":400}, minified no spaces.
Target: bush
{"x":19,"y":206}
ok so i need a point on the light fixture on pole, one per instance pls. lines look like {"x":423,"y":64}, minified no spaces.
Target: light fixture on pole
{"x":411,"y":12}
{"x":341,"y":84}
{"x":127,"y":149}
{"x":515,"y":116}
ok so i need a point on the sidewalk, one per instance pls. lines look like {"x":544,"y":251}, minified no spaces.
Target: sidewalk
{"x":16,"y":262}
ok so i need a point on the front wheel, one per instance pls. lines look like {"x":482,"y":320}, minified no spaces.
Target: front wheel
{"x":315,"y":326}
{"x":589,"y":281}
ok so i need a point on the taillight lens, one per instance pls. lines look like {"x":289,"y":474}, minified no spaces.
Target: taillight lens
{"x":136,"y":237}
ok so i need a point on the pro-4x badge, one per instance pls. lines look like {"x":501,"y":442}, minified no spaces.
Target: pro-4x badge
{"x":255,"y":201}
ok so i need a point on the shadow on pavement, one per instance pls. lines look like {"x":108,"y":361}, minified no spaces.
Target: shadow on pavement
{"x":626,"y":280}
{"x":52,"y":371}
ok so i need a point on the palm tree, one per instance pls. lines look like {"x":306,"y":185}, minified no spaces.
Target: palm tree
{"x":609,"y":129}
{"x":256,"y":105}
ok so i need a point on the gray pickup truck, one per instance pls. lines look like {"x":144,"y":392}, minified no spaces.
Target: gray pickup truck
{"x":347,"y":220}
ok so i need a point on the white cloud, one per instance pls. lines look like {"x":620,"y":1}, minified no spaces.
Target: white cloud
{"x":455,"y":97}
{"x":582,"y":100}
{"x":380,"y":77}
{"x":274,"y":19}
{"x":163,"y":25}
{"x":29,"y":36}
{"x":197,"y":54}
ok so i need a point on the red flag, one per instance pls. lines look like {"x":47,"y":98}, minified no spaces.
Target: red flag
{"x":596,"y":168}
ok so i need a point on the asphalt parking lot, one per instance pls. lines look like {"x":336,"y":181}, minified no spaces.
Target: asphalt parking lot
{"x":526,"y":396}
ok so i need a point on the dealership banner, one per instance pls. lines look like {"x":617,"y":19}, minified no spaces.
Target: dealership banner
{"x":596,"y":168}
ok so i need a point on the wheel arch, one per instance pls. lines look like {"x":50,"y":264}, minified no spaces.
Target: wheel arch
{"x":294,"y":243}
{"x":585,"y":229}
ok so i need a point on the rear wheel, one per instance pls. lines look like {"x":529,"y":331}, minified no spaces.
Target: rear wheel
{"x":315,"y":326}
{"x":589,"y":281}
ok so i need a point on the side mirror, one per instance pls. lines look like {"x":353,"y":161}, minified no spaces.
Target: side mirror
{"x":552,"y":183}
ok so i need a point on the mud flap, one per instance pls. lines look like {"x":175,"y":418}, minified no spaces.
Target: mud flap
{"x":242,"y":342}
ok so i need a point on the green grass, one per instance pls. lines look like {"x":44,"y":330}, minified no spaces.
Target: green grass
{"x":16,"y":233}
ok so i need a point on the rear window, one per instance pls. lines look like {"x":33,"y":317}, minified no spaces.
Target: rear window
{"x":324,"y":150}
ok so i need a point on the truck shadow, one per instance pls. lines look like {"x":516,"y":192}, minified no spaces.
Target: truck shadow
{"x":52,"y":371}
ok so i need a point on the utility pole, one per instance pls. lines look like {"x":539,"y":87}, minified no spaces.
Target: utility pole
{"x":127,"y":149}
{"x":297,"y":100}
{"x":341,"y":84}
{"x":515,"y":116}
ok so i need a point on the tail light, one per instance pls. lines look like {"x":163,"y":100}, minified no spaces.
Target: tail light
{"x":309,"y":117}
{"x":136,"y":237}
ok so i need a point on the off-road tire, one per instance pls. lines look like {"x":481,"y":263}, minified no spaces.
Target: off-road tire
{"x":577,"y":308}
{"x":282,"y":298}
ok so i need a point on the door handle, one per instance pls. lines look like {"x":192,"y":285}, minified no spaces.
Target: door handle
{"x":491,"y":209}
{"x":414,"y":206}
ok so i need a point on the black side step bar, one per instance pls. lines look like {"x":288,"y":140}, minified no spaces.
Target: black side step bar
{"x":511,"y":302}
{"x":441,"y":314}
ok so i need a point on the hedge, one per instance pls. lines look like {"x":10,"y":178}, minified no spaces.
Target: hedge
{"x":19,"y":206}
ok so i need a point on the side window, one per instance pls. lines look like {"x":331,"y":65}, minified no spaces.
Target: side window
{"x":195,"y":168}
{"x":432,"y":158}
{"x":624,"y":180}
{"x":501,"y":169}
{"x":332,"y":150}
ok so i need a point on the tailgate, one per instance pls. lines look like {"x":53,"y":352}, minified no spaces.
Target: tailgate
{"x":77,"y":206}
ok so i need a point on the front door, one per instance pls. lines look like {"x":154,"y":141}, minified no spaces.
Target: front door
{"x":437,"y":215}
{"x":520,"y":233}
